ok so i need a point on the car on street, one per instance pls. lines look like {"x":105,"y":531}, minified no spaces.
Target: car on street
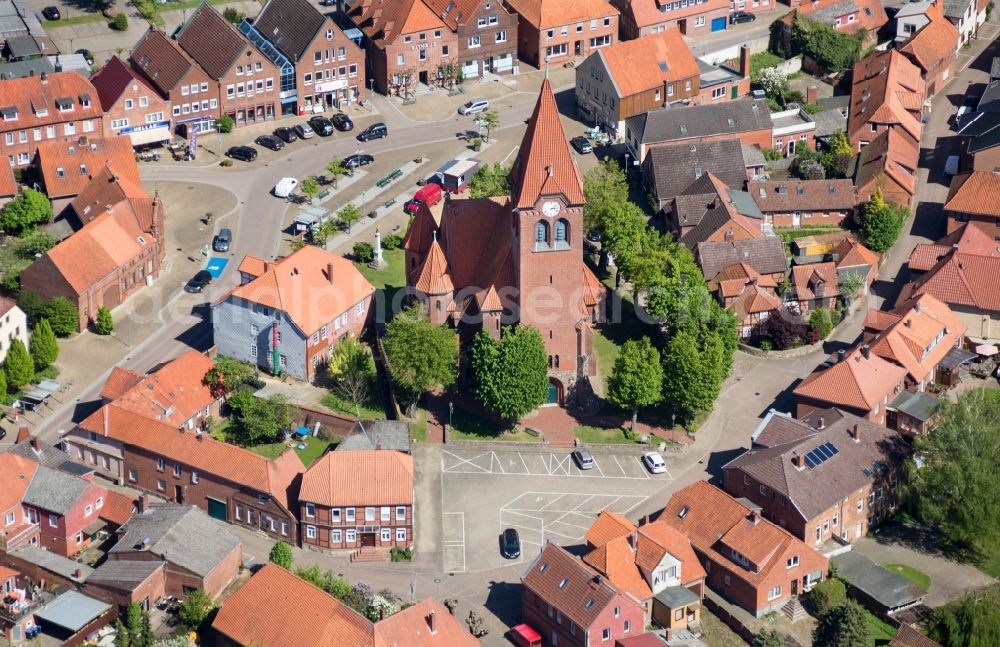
{"x":374,"y":131}
{"x":286,"y":134}
{"x":582,"y":145}
{"x":654,"y":462}
{"x":270,"y":141}
{"x":87,"y":55}
{"x":360,"y":159}
{"x":242,"y":153}
{"x":738,"y":17}
{"x":51,"y":13}
{"x":342,"y":122}
{"x":951,"y":165}
{"x":304,"y":131}
{"x":474,"y":106}
{"x":3,"y":434}
{"x":222,"y":240}
{"x":584,"y":459}
{"x":510,"y":544}
{"x":198,"y":282}
{"x":321,"y":125}
{"x":285,"y":186}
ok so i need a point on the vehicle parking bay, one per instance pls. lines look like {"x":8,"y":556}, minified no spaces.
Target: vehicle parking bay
{"x":607,"y":466}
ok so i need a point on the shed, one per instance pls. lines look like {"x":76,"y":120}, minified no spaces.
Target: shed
{"x":881,"y":590}
{"x":72,"y":611}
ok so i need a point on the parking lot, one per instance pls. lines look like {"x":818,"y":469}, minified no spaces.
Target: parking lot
{"x":540,"y":492}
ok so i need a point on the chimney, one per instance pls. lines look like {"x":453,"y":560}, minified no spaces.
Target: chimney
{"x":841,"y":354}
{"x":106,"y":423}
{"x":431,"y":626}
{"x":329,"y":273}
{"x":745,"y":62}
{"x":755,"y":516}
{"x":267,"y":266}
{"x":866,"y":350}
{"x":633,"y":539}
{"x":35,"y":445}
{"x":142,"y":503}
{"x":855,"y":433}
{"x":78,"y":574}
{"x":200,"y":436}
{"x":908,"y":323}
{"x":23,"y":434}
{"x":811,"y":93}
{"x":729,"y":234}
{"x":45,"y":78}
{"x":916,"y":308}
{"x":595,"y":582}
{"x":821,"y":423}
{"x":144,"y":544}
{"x":799,"y":461}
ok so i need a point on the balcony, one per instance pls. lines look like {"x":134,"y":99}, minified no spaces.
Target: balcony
{"x":18,"y":536}
{"x":17,"y":604}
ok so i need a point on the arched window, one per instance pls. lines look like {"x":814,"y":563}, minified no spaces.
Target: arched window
{"x":541,"y":235}
{"x":437,"y":305}
{"x":557,"y":361}
{"x":562,"y":234}
{"x":550,"y":361}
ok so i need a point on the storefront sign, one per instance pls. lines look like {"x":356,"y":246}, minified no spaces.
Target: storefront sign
{"x":331,"y":86}
{"x":142,"y":127}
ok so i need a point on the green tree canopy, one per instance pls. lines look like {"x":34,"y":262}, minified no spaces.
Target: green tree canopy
{"x":21,"y":215}
{"x":511,"y":373}
{"x":352,"y":370}
{"x":257,"y":420}
{"x":840,"y":144}
{"x":769,"y":638}
{"x":827,"y":595}
{"x":309,"y":187}
{"x":281,"y":554}
{"x":195,"y":609}
{"x":637,"y":377}
{"x":336,"y":168}
{"x":605,"y":188}
{"x":881,"y":222}
{"x":104,"y":324}
{"x":490,"y":181}
{"x":226,"y":375}
{"x":18,"y":365}
{"x":44,"y":347}
{"x":420,"y":355}
{"x":832,"y":50}
{"x":326,"y":580}
{"x":489,"y":122}
{"x":973,"y":621}
{"x":350,"y":214}
{"x":134,"y":629}
{"x":63,"y":316}
{"x":623,"y":236}
{"x":692,"y":372}
{"x":843,"y":626}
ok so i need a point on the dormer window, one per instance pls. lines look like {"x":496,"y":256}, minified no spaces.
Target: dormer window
{"x":683,"y":512}
{"x":84,"y":100}
{"x":563,"y":583}
{"x":60,"y":172}
{"x":64,"y":104}
{"x":83,"y":169}
{"x":9,"y":113}
{"x":541,"y":569}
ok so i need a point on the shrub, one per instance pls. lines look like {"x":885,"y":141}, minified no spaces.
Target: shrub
{"x":225,"y":124}
{"x":44,"y":348}
{"x":821,"y":322}
{"x":18,"y":365}
{"x":477,"y":144}
{"x":104,"y":323}
{"x":766,"y":345}
{"x":233,"y":15}
{"x":120,"y":22}
{"x":226,"y":163}
{"x":281,"y":554}
{"x":783,"y":329}
{"x":771,"y":155}
{"x":195,"y":609}
{"x":828,"y":594}
{"x":63,"y":316}
{"x":392,"y":241}
{"x":363,"y":252}
{"x":400,"y":554}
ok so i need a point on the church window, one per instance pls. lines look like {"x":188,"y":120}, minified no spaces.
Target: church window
{"x":550,"y":361}
{"x":437,"y":305}
{"x":562,"y":234}
{"x":541,"y":235}
{"x":557,"y":361}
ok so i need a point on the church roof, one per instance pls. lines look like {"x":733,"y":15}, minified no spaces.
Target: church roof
{"x":434,"y":277}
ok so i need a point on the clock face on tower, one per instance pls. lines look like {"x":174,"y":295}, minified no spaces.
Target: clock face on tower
{"x":550,"y":209}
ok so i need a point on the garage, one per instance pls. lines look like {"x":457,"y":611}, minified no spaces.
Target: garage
{"x":718,"y":24}
{"x":217,"y":509}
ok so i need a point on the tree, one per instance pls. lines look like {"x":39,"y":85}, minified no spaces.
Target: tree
{"x":843,"y":626}
{"x":21,"y":215}
{"x":3,"y":387}
{"x":420,"y":355}
{"x":769,"y":638}
{"x":690,"y":384}
{"x":226,"y":375}
{"x":637,"y":377}
{"x":363,"y":252}
{"x":511,"y":372}
{"x":955,"y":490}
{"x":832,"y":50}
{"x":33,"y":306}
{"x":827,"y":595}
{"x":812,"y":170}
{"x":821,"y":322}
{"x":840,"y":144}
{"x":783,"y":329}
{"x":605,"y":188}
{"x":18,"y":365}
{"x":104,"y":323}
{"x":336,"y":168}
{"x":973,"y":621}
{"x":349,"y":214}
{"x":225,"y":124}
{"x":490,"y":181}
{"x":773,"y":82}
{"x":489,"y":121}
{"x":194,"y":609}
{"x":133,"y":628}
{"x":233,"y":15}
{"x":623,"y":234}
{"x":851,"y":284}
{"x":257,"y":420}
{"x":352,"y":370}
{"x":881,"y":222}
{"x":309,"y":187}
{"x":44,"y":348}
{"x":63,"y":316}
{"x":281,"y":554}
{"x":120,"y":21}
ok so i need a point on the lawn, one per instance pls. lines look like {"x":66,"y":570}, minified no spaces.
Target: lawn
{"x":622,"y":325}
{"x":989,"y":559}
{"x":468,"y":426}
{"x":762,"y":60}
{"x":373,"y":409}
{"x":881,"y":632}
{"x":269,"y":450}
{"x":716,"y":634}
{"x":920,"y":579}
{"x":388,"y":281}
{"x":74,"y":20}
{"x":315,"y":447}
{"x":601,"y":435}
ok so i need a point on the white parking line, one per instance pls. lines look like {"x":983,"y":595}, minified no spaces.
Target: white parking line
{"x":464,"y":461}
{"x":624,"y":473}
{"x":552,"y":501}
{"x":494,"y":459}
{"x":458,"y":543}
{"x":523,"y":462}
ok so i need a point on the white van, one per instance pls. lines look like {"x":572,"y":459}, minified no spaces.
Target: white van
{"x":474,"y":106}
{"x":285,"y":186}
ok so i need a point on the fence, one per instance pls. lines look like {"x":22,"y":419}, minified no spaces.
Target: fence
{"x":331,"y":423}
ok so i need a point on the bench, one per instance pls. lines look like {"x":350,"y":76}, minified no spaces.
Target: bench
{"x":384,"y":182}
{"x":323,"y":194}
{"x":389,"y":203}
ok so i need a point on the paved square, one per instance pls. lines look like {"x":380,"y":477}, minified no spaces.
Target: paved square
{"x":545,"y":463}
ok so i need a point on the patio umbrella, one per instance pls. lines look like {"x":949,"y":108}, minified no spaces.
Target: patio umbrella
{"x":987,"y":350}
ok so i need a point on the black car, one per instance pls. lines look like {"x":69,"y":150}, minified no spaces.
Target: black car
{"x":222,"y":240}
{"x":286,"y":135}
{"x":354,"y":161}
{"x":87,"y":55}
{"x":242,"y":153}
{"x":321,"y":125}
{"x":738,"y":17}
{"x":51,"y":13}
{"x":510,"y":544}
{"x":198,"y":282}
{"x":582,"y":145}
{"x":342,"y":122}
{"x":270,"y":141}
{"x":375,"y":131}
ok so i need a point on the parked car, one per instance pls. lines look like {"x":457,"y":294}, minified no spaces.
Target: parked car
{"x":321,"y":125}
{"x":361,"y":159}
{"x":758,"y":94}
{"x":285,"y":186}
{"x":87,"y":55}
{"x":242,"y":153}
{"x":270,"y":141}
{"x":3,"y":434}
{"x":374,"y":131}
{"x":582,"y":145}
{"x":583,"y":458}
{"x":951,"y":165}
{"x":523,"y":635}
{"x":738,"y":17}
{"x":198,"y":282}
{"x":304,"y":131}
{"x":654,"y":462}
{"x":429,"y":193}
{"x":51,"y":13}
{"x":474,"y":106}
{"x":285,"y":134}
{"x":342,"y":122}
{"x":222,"y":240}
{"x":510,"y":544}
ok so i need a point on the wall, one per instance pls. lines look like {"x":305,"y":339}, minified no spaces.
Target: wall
{"x":14,"y":325}
{"x":137,"y":115}
{"x":439,"y":43}
{"x":324,"y":524}
{"x":720,"y":56}
{"x":506,"y":21}
{"x":233,"y":321}
{"x":328,"y":46}
{"x":257,"y":103}
{"x":986,"y":160}
{"x":182,"y":105}
{"x":104,"y":454}
{"x":61,"y":537}
{"x":152,"y":589}
{"x":805,"y":218}
{"x":533,"y":43}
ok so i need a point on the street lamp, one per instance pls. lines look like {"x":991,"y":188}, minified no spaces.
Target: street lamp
{"x":451,"y":411}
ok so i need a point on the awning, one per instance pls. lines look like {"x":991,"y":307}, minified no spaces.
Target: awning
{"x":917,"y":405}
{"x":955,"y":358}
{"x":93,"y":527}
{"x":151,"y":136}
{"x":987,"y":350}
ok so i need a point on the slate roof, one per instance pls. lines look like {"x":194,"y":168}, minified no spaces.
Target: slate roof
{"x":765,"y":255}
{"x":53,"y":562}
{"x":584,"y":595}
{"x":673,"y":168}
{"x":46,"y":454}
{"x":211,"y":41}
{"x":55,"y":491}
{"x":391,"y":435}
{"x":828,"y":122}
{"x":359,"y":478}
{"x":692,"y":122}
{"x":290,"y":25}
{"x":857,"y":382}
{"x":885,"y":588}
{"x":180,"y":534}
{"x":124,"y":574}
{"x":803,"y":195}
{"x":813,"y":490}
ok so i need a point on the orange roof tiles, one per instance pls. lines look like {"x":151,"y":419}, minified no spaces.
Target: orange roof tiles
{"x":892,"y":153}
{"x":411,"y":627}
{"x":616,"y":560}
{"x":966,"y":274}
{"x":608,"y":525}
{"x":975,"y":193}
{"x":8,"y":185}
{"x":543,"y":14}
{"x":118,"y":508}
{"x":434,"y":277}
{"x":312,"y":286}
{"x":851,"y":253}
{"x":7,"y":573}
{"x":857,"y":382}
{"x":16,"y":473}
{"x":646,"y":63}
{"x":886,"y":89}
{"x":936,"y":41}
{"x":109,"y":187}
{"x":646,"y":13}
{"x":658,"y":538}
{"x":807,"y":279}
{"x":376,"y":477}
{"x":384,"y":21}
{"x":924,"y":333}
{"x":34,"y":99}
{"x":173,"y":394}
{"x":67,"y":167}
{"x":119,"y":382}
{"x":278,"y":609}
{"x":908,"y":636}
{"x":252,"y":265}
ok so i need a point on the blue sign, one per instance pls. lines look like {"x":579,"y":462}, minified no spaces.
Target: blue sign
{"x":216,"y":265}
{"x":144,"y":127}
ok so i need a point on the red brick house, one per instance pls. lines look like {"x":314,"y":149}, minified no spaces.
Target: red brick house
{"x":67,"y":167}
{"x":751,"y":296}
{"x":502,"y":268}
{"x":886,"y":93}
{"x":15,"y":477}
{"x":710,"y":211}
{"x":844,"y":17}
{"x":119,"y":248}
{"x":933,"y":49}
{"x":570,"y":603}
{"x":861,"y":383}
{"x":229,"y":483}
{"x":797,"y":203}
{"x":815,"y":285}
{"x":644,"y":17}
{"x":358,"y":500}
{"x":971,"y":200}
{"x":562,"y":30}
{"x":889,"y":163}
{"x":132,"y":106}
{"x":749,"y":560}
{"x":830,"y":476}
{"x":58,"y":106}
{"x":66,"y":509}
{"x":245,"y":81}
{"x":486,"y":31}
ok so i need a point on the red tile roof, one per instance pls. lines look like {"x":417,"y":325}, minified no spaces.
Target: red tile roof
{"x":975,"y":193}
{"x":936,"y":41}
{"x":966,"y":274}
{"x":16,"y":473}
{"x":803,"y":195}
{"x":161,"y":60}
{"x":924,"y":333}
{"x":855,"y":382}
{"x":411,"y":627}
{"x":173,"y":394}
{"x":886,"y":89}
{"x":908,"y":636}
{"x":278,"y":609}
{"x":543,"y":14}
{"x":35,"y":99}
{"x":118,"y":508}
{"x":67,"y":167}
{"x":870,"y":14}
{"x":807,"y":279}
{"x":608,"y":525}
{"x":434,"y":277}
{"x":109,"y":187}
{"x":384,"y":21}
{"x":544,"y":164}
{"x":647,"y":63}
{"x":119,"y":382}
{"x":8,"y":185}
{"x":113,"y":79}
{"x":212,"y":41}
{"x":375,"y":477}
{"x":647,"y":12}
{"x":892,"y":153}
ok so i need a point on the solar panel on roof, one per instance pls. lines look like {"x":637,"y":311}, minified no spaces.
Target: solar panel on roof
{"x":810,"y":461}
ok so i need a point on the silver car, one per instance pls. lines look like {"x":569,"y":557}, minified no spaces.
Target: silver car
{"x":474,"y":106}
{"x":583,"y":458}
{"x":304,"y":131}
